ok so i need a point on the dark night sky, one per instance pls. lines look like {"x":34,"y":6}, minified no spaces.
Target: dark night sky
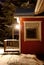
{"x":2,"y":0}
{"x":21,"y":10}
{"x":27,"y":11}
{"x":31,"y":1}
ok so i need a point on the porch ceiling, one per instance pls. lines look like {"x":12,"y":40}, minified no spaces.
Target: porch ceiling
{"x":39,"y":7}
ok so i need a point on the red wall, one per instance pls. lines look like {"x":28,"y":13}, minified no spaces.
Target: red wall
{"x":34,"y":47}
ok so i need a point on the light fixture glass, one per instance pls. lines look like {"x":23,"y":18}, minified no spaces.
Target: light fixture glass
{"x":17,"y":27}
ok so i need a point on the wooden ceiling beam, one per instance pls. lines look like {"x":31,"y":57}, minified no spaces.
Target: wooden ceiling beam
{"x":39,"y":7}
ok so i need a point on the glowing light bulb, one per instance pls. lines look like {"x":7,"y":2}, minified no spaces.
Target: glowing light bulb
{"x":17,"y":27}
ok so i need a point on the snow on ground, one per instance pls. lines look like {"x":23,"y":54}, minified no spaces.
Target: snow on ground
{"x":22,"y":59}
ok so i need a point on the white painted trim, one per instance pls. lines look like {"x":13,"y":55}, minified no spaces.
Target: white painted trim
{"x":38,"y":6}
{"x":39,"y":39}
{"x":30,"y":16}
{"x":20,"y":38}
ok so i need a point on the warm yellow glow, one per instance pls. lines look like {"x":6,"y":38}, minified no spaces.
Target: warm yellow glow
{"x":18,"y":21}
{"x":5,"y":40}
{"x":17,"y":27}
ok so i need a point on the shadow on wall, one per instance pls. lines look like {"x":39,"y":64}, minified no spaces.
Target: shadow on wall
{"x":40,"y":56}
